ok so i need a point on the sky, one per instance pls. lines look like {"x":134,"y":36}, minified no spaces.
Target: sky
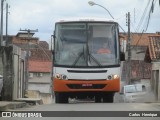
{"x":42,"y":14}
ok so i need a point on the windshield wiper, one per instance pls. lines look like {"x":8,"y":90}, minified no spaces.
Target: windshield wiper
{"x":81,"y":54}
{"x":94,"y":59}
{"x":88,"y":60}
{"x":91,"y":56}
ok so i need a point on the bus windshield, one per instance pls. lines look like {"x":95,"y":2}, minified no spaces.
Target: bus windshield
{"x":86,"y":44}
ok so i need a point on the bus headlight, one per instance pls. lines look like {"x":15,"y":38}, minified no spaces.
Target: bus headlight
{"x":115,"y":76}
{"x":112,"y":77}
{"x":61,"y":77}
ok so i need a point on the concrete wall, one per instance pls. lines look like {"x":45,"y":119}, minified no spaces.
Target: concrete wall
{"x":1,"y":84}
{"x":138,"y":53}
{"x":7,"y":91}
{"x":40,"y":83}
{"x":1,"y":72}
{"x":35,"y":77}
{"x":13,"y":73}
{"x":155,"y":79}
{"x":42,"y":87}
{"x":1,"y":66}
{"x":19,"y":73}
{"x":46,"y":97}
{"x":139,"y":69}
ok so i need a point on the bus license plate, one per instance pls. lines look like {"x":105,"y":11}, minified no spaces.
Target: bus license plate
{"x":87,"y":85}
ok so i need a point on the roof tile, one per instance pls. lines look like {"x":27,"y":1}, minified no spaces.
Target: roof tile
{"x":139,"y":39}
{"x":40,"y":66}
{"x":154,"y":47}
{"x":40,"y":55}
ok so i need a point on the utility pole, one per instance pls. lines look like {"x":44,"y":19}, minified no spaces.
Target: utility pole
{"x":7,"y":24}
{"x":1,"y":36}
{"x":52,"y":49}
{"x":129,"y":51}
{"x":1,"y":32}
{"x":7,"y":91}
{"x":27,"y":56}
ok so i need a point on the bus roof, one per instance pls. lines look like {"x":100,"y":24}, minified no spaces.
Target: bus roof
{"x":85,"y":20}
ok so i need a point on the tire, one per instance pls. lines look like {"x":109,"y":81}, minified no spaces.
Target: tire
{"x":61,"y":98}
{"x":97,"y":99}
{"x":108,"y":98}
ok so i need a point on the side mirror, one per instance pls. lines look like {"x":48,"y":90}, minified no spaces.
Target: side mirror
{"x":123,"y":50}
{"x":122,"y":56}
{"x":52,"y":43}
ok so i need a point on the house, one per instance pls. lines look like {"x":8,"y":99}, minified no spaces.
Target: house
{"x":44,"y":45}
{"x":40,"y":66}
{"x":153,"y":56}
{"x":140,"y":70}
{"x":22,"y":40}
{"x":39,"y":54}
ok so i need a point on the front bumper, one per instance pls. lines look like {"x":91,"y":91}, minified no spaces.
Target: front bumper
{"x":86,"y":85}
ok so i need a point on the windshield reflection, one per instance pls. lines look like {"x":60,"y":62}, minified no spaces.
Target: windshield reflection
{"x":86,"y":44}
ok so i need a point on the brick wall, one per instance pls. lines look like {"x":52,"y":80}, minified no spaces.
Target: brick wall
{"x":139,"y":70}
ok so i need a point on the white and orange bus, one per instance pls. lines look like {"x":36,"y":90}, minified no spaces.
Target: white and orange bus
{"x":79,"y":70}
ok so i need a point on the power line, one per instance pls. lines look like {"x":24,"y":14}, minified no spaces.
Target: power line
{"x":143,"y":16}
{"x":146,"y":24}
{"x":133,"y":26}
{"x":149,"y":14}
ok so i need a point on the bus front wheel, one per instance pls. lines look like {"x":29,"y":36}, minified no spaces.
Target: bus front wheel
{"x":108,"y":98}
{"x":61,"y":98}
{"x":97,"y":99}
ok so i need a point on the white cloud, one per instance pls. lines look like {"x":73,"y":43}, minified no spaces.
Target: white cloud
{"x":42,"y":14}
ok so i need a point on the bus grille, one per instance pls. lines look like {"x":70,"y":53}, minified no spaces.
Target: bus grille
{"x":87,"y":86}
